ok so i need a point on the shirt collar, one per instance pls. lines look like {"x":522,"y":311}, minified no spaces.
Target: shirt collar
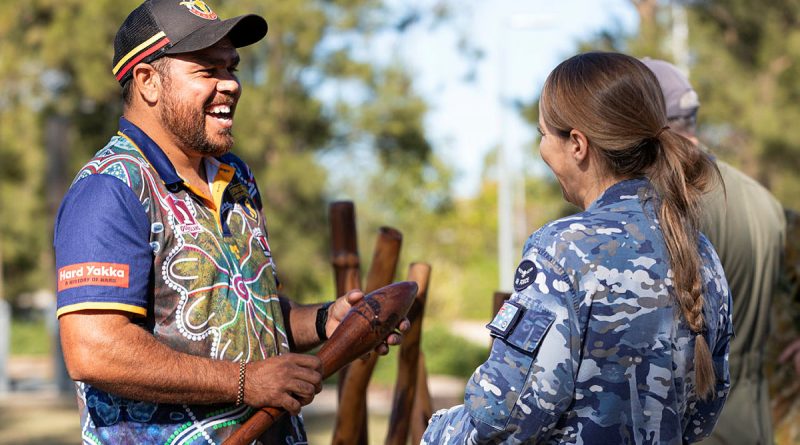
{"x":152,"y":152}
{"x":625,"y":189}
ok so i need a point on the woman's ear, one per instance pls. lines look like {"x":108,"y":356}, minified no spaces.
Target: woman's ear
{"x":578,"y":145}
{"x":147,"y":82}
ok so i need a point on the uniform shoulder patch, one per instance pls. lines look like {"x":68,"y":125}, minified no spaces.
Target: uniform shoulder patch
{"x":524,"y":275}
{"x":505,"y":320}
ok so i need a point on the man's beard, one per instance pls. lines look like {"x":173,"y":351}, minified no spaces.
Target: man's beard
{"x":188,"y":125}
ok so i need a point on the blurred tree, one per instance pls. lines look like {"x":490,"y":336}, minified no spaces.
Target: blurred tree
{"x":313,"y":89}
{"x":743,"y":62}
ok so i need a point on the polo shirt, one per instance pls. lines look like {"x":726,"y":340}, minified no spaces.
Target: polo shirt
{"x":194,"y":270}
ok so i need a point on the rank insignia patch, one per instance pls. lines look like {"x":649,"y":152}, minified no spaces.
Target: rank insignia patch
{"x":526,"y":271}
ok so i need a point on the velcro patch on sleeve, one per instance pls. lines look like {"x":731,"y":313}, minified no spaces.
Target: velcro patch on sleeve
{"x":505,"y":320}
{"x":93,"y":274}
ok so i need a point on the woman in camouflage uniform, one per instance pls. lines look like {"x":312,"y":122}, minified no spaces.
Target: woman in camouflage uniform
{"x":619,"y":328}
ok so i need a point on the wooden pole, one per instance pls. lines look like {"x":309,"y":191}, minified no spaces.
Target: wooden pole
{"x":366,"y":325}
{"x":344,"y":257}
{"x":344,"y":247}
{"x":499,"y":299}
{"x":408,"y":360}
{"x":351,"y":417}
{"x":423,"y":406}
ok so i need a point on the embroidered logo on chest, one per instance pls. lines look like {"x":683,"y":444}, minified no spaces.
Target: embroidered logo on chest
{"x":261,"y":239}
{"x":181,"y":212}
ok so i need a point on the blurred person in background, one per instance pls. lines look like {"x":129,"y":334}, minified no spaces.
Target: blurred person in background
{"x":168,"y":305}
{"x":619,"y":326}
{"x":747,"y":227}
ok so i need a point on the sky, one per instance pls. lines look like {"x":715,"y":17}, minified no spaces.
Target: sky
{"x":522,"y":41}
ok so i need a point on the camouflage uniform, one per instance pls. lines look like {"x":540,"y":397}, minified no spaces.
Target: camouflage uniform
{"x":591,"y":348}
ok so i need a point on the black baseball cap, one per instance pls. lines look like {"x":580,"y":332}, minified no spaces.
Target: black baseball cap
{"x":159,"y":27}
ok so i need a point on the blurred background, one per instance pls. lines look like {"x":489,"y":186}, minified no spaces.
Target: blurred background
{"x":421,"y":112}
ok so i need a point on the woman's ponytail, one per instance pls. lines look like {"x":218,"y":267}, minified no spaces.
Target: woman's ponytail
{"x":681,"y":174}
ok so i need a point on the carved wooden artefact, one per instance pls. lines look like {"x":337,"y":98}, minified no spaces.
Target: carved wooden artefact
{"x":366,"y":325}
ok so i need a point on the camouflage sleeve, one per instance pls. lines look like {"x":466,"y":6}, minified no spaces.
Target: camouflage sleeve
{"x":518,"y":394}
{"x":705,"y":413}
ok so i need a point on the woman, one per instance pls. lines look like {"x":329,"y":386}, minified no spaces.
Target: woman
{"x":619,"y":327}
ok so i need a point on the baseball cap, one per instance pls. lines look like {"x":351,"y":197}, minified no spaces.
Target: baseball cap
{"x":159,"y":27}
{"x":681,"y":99}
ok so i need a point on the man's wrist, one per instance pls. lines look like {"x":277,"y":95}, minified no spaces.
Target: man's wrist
{"x":322,"y":321}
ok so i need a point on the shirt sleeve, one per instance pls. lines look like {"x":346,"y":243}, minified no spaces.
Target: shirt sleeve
{"x":102,"y":248}
{"x":519,"y":393}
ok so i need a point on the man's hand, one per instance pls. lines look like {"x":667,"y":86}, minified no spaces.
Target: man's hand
{"x":289,"y":381}
{"x":338,"y":310}
{"x":792,"y":354}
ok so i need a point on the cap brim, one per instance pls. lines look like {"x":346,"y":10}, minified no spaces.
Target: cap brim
{"x":243,"y":30}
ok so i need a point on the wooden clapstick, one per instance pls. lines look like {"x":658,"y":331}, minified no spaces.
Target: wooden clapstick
{"x":367,"y":324}
{"x":405,"y":388}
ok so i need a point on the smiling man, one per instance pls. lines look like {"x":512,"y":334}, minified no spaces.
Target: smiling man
{"x":170,"y":318}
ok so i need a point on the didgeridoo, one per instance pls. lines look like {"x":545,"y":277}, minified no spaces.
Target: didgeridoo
{"x":367,"y":324}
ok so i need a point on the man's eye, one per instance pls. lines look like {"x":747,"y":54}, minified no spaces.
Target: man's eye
{"x":539,"y":129}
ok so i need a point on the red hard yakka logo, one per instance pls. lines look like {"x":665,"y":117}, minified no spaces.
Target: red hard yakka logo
{"x":200,"y":9}
{"x":93,"y":274}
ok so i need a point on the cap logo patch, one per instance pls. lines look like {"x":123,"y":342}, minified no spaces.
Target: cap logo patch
{"x":200,"y":9}
{"x":526,"y":271}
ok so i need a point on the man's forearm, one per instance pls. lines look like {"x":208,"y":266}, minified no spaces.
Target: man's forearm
{"x":117,"y":356}
{"x":302,"y":323}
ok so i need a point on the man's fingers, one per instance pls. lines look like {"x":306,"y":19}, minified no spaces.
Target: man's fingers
{"x":394,"y":339}
{"x":354,"y":296}
{"x":310,"y":376}
{"x":790,"y":351}
{"x":302,"y":389}
{"x":290,"y":404}
{"x":304,"y":361}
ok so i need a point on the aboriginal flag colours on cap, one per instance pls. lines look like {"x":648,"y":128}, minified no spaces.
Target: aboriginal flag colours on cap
{"x":136,"y":55}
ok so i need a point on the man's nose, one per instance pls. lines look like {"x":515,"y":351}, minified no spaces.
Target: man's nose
{"x":229,"y":85}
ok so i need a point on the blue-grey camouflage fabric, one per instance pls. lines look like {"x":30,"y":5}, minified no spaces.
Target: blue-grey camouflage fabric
{"x":601,"y":354}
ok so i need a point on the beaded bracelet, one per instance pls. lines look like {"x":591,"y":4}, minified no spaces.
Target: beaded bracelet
{"x":240,"y":392}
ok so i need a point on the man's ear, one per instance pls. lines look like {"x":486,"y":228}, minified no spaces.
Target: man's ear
{"x":578,"y":145}
{"x":147,"y":83}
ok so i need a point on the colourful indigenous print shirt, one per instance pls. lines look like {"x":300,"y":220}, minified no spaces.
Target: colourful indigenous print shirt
{"x":194,"y":270}
{"x":591,"y":348}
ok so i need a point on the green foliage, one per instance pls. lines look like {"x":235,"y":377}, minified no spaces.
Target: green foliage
{"x":744,"y":65}
{"x":449,"y":354}
{"x":30,"y":338}
{"x":445,"y":354}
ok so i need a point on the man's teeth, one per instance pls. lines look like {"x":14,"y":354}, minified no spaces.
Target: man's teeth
{"x":221,"y":110}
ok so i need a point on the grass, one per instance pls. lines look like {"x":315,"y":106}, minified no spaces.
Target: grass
{"x":30,"y":338}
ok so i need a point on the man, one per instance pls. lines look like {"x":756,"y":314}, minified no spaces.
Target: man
{"x":746,"y":225}
{"x":170,"y":319}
